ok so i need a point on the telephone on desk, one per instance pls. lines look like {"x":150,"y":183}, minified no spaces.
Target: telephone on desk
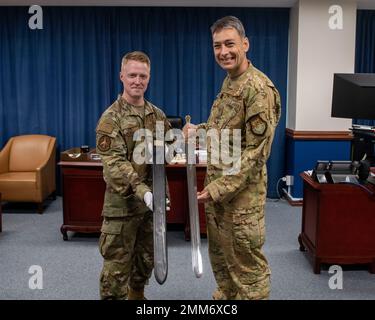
{"x":355,"y":172}
{"x":371,"y":178}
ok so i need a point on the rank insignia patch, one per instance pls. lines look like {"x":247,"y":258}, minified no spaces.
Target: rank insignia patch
{"x":104,"y":143}
{"x":258,"y":125}
{"x":105,"y":127}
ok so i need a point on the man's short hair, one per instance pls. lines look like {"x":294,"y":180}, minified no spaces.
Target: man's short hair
{"x":229,"y":22}
{"x":136,"y":56}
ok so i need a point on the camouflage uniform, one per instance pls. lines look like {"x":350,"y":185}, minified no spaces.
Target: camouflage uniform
{"x":235,"y":217}
{"x":126,"y":241}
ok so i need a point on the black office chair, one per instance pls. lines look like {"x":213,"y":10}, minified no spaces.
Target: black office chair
{"x":175,"y":121}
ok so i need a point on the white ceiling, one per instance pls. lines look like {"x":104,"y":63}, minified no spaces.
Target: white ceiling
{"x":362,"y":4}
{"x":366,"y":4}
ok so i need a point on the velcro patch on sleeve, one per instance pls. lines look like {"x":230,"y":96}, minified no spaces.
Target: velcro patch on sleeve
{"x":105,"y":127}
{"x":258,"y":125}
{"x":104,"y":143}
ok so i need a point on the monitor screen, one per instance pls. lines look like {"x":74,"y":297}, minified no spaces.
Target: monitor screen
{"x":353,"y":96}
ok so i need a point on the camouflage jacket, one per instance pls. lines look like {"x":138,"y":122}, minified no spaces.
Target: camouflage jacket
{"x":251,"y":104}
{"x":127,"y":181}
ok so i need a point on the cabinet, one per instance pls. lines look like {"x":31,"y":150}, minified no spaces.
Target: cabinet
{"x":83,"y":196}
{"x":338,"y":223}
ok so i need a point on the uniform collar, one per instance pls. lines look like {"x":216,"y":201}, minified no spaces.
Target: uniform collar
{"x":235,"y":85}
{"x":125,"y":104}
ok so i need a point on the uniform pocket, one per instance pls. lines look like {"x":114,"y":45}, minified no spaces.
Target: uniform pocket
{"x":128,"y":132}
{"x":110,"y":238}
{"x":129,"y":129}
{"x":249,"y":230}
{"x":111,"y":226}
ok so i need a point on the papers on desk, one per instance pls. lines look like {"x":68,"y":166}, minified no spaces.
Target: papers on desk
{"x":95,"y":156}
{"x":201,"y":157}
{"x":179,"y":158}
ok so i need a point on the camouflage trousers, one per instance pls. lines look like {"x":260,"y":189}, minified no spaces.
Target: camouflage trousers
{"x":235,"y":241}
{"x":126,"y":245}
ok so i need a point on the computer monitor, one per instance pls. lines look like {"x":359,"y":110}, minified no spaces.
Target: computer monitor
{"x":353,"y":96}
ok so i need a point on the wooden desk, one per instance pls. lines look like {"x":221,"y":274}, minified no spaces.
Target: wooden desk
{"x":338,"y":224}
{"x":83,"y":196}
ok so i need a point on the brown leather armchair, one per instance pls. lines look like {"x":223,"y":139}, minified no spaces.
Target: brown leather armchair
{"x":27,"y":169}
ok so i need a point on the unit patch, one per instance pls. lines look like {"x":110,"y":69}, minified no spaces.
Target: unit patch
{"x":104,"y":143}
{"x":258,"y":125}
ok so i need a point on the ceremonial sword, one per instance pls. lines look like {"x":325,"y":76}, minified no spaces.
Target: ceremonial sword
{"x":159,"y":206}
{"x":195,"y":235}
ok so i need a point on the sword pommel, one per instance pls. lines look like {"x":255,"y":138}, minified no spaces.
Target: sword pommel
{"x":187,"y":118}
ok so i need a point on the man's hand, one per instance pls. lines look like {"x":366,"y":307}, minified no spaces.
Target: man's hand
{"x":203,"y":196}
{"x":189,"y":129}
{"x":147,"y":198}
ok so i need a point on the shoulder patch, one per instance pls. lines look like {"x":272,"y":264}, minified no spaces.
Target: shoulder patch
{"x":104,"y":143}
{"x":105,"y":127}
{"x":258,"y":125}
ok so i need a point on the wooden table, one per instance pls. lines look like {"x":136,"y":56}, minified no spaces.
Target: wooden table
{"x":83,"y":196}
{"x":338,"y":223}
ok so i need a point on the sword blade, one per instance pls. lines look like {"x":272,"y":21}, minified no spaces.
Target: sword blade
{"x":195,"y":235}
{"x":159,"y":202}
